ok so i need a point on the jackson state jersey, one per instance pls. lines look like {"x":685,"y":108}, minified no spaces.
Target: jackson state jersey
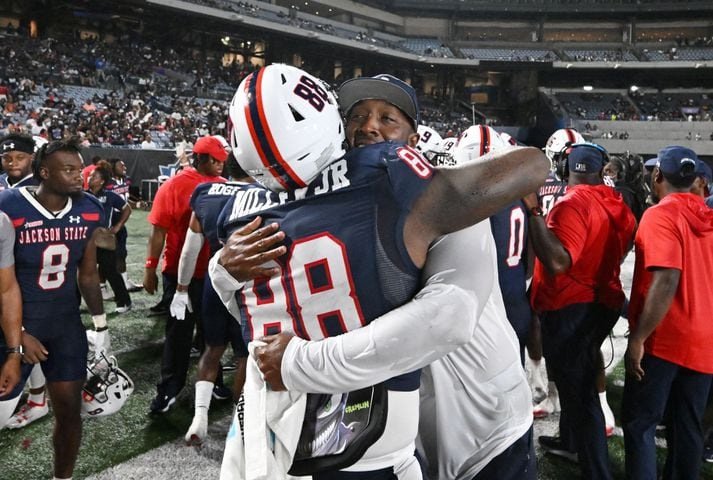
{"x":120,"y":186}
{"x":24,"y":182}
{"x":49,"y":246}
{"x":112,"y":204}
{"x":550,"y":193}
{"x":207,"y":201}
{"x":346,"y":260}
{"x":509,"y":229}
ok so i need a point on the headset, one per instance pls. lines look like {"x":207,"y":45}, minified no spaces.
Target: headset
{"x":562,"y":162}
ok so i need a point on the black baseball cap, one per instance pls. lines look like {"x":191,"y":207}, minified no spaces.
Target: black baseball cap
{"x":380,"y":87}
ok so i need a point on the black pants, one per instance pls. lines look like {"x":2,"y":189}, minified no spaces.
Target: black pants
{"x":176,"y":355}
{"x":106,"y":259}
{"x":571,"y":338}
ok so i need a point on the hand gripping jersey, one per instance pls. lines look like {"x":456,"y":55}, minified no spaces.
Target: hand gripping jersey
{"x":49,"y":247}
{"x":207,"y":201}
{"x":346,"y":263}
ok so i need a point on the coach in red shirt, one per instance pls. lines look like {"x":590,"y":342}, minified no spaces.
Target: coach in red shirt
{"x":669,"y":360}
{"x":578,"y":295}
{"x":169,"y":217}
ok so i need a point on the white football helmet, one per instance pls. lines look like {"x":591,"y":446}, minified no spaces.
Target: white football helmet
{"x":106,"y":389}
{"x":286,"y":127}
{"x":561,"y":139}
{"x":444,"y":153}
{"x":428,"y":141}
{"x":224,"y":142}
{"x":508,"y":138}
{"x":477,"y":141}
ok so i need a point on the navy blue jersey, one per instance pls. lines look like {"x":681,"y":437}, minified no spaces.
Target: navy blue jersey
{"x":49,"y":247}
{"x":509,"y":227}
{"x":347,"y":262}
{"x":550,"y":193}
{"x":207,"y":201}
{"x":120,"y":186}
{"x":112,"y":204}
{"x":25,"y":182}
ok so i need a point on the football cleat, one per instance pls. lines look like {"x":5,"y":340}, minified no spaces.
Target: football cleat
{"x":29,"y":413}
{"x":546,"y":407}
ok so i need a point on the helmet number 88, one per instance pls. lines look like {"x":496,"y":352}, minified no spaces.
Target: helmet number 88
{"x":310,"y":91}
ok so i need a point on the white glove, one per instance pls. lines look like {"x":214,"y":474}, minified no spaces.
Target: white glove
{"x":180,"y":304}
{"x":101,"y":344}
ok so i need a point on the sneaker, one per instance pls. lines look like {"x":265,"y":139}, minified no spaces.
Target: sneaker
{"x":229,"y":367}
{"x":708,"y":448}
{"x":158,"y":309}
{"x":162,"y":403}
{"x":106,"y":294}
{"x":133,"y":287}
{"x":554,"y":446}
{"x":221,"y":392}
{"x":546,"y":407}
{"x":29,"y":412}
{"x":198,"y":430}
{"x":538,"y":386}
{"x":123,"y":309}
{"x":609,"y":431}
{"x":195,"y":353}
{"x":609,"y":420}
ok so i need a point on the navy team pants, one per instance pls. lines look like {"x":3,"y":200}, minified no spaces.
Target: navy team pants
{"x":518,"y":462}
{"x":571,"y":338}
{"x":645,"y":405}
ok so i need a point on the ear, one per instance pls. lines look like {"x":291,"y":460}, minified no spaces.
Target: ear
{"x":412,"y":140}
{"x":44,"y":172}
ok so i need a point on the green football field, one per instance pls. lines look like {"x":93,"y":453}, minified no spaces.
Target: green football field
{"x":26,"y":454}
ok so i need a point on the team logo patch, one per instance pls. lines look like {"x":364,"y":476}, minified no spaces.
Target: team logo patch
{"x":73,"y":219}
{"x":36,"y":223}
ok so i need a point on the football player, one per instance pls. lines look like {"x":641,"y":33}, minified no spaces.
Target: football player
{"x":370,"y":215}
{"x":16,"y":150}
{"x":56,"y":227}
{"x":219,"y":326}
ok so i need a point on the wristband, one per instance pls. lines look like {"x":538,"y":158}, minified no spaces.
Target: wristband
{"x":19,"y":350}
{"x":151,"y":262}
{"x":99,"y":322}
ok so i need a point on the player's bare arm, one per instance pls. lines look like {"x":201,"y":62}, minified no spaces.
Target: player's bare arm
{"x":157,"y":237}
{"x":658,"y":300}
{"x":123,"y":218}
{"x":461,"y":196}
{"x":88,"y":277}
{"x":11,"y":323}
{"x":548,"y":248}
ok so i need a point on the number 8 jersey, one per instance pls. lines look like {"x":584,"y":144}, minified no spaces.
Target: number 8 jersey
{"x":49,"y":246}
{"x":346,"y":260}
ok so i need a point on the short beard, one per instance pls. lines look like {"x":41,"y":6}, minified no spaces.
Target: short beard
{"x":76,"y":195}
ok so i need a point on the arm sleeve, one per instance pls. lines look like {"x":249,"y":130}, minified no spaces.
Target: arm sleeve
{"x":189,"y":256}
{"x":7,"y":242}
{"x":441,"y":318}
{"x":225,"y":285}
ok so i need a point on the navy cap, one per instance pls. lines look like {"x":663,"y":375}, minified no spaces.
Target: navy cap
{"x":677,"y":162}
{"x":651,"y":162}
{"x":704,"y":170}
{"x":586,"y":158}
{"x":381,"y":87}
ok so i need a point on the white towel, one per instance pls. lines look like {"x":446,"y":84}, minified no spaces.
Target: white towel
{"x":272,"y":426}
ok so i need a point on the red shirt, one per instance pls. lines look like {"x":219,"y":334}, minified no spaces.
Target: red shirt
{"x":596,"y":228}
{"x":678,"y":233}
{"x":171,"y":210}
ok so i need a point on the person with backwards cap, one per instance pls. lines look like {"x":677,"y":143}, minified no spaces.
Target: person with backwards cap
{"x":16,"y":151}
{"x":169,"y":218}
{"x":578,"y":296}
{"x":669,"y":360}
